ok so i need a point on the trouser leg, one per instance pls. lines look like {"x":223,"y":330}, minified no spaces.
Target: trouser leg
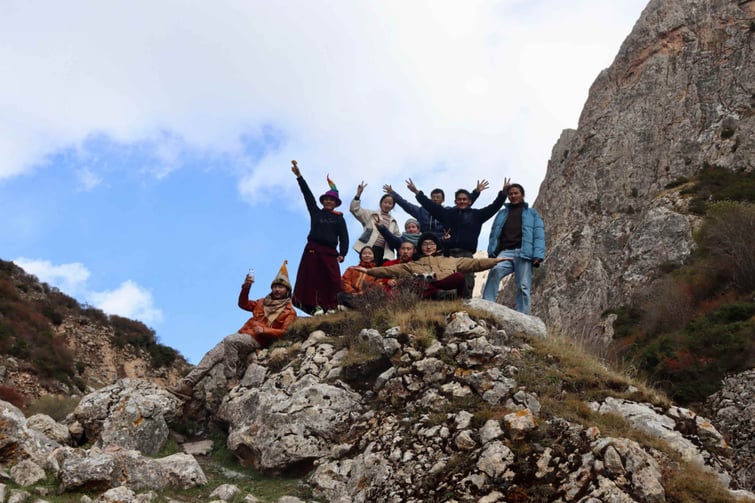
{"x":455,"y":281}
{"x":468,"y":277}
{"x":228,"y":351}
{"x":496,"y":274}
{"x":523,"y":277}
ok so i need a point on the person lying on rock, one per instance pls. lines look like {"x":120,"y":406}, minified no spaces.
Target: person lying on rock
{"x":271,"y":316}
{"x":433,"y":271}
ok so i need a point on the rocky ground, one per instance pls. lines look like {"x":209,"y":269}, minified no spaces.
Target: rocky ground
{"x":487,"y":409}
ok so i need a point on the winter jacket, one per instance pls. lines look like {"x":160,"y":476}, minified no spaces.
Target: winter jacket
{"x":427,"y":222}
{"x":356,"y":282}
{"x":270,"y":331}
{"x":371,"y":232}
{"x":533,"y":233}
{"x":465,"y":224}
{"x":438,"y":264}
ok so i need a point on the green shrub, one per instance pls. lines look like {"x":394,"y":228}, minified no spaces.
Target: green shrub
{"x":57,"y":407}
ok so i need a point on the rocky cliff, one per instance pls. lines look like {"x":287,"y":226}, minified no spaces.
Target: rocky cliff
{"x":679,"y":96}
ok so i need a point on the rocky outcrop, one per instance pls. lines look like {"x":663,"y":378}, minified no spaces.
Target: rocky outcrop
{"x":386,"y":415}
{"x":131,"y":414}
{"x":678,"y":96}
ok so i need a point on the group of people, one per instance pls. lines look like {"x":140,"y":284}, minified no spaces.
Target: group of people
{"x":435,"y":232}
{"x":433,"y":255}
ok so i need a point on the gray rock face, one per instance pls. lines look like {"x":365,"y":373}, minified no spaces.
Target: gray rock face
{"x":678,"y":96}
{"x":132,"y":414}
{"x":97,"y":469}
{"x":18,"y":441}
{"x":292,"y":417}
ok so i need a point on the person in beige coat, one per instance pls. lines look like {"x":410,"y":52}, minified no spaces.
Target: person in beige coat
{"x":432,"y":271}
{"x":371,"y":235}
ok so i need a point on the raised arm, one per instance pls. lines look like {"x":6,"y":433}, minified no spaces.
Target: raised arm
{"x":393,"y":241}
{"x":309,"y":198}
{"x":402,"y":203}
{"x":481,"y":185}
{"x":355,"y":207}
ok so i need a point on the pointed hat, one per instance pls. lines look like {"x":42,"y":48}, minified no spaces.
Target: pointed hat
{"x":282,"y":277}
{"x":333,"y":192}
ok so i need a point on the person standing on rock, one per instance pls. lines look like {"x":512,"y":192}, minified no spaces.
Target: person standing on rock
{"x":518,"y":234}
{"x":318,"y":279}
{"x":271,"y":316}
{"x":370,"y":219}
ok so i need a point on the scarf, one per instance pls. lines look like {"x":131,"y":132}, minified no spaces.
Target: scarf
{"x":273,"y":308}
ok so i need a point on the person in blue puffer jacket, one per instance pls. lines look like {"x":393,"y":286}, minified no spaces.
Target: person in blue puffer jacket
{"x":518,"y":233}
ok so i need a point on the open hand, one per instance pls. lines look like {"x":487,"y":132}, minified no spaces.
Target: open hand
{"x":482,"y":185}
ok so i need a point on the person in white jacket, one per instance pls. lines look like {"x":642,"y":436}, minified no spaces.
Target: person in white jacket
{"x":371,"y":235}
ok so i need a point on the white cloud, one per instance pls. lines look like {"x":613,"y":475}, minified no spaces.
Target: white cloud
{"x":359,"y":89}
{"x":128,"y":300}
{"x":69,"y":278}
{"x":88,"y":180}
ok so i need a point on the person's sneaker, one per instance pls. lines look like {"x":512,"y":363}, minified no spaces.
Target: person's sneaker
{"x":343,"y":308}
{"x":318,"y":311}
{"x":331,"y":311}
{"x":182,"y":390}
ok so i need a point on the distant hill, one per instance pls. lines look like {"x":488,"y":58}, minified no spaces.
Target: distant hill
{"x":50,"y":344}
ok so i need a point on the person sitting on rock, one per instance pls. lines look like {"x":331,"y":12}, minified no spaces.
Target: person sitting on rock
{"x":405,"y":254}
{"x":433,"y":271}
{"x":271,"y":316}
{"x":355,"y":282}
{"x":411,"y":233}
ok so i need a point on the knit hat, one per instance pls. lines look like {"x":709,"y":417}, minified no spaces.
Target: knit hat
{"x":411,"y":221}
{"x":428,"y":236}
{"x":282,"y":277}
{"x":333,"y":192}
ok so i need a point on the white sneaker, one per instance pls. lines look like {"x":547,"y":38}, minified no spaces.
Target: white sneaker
{"x":331,"y":311}
{"x":318,"y":311}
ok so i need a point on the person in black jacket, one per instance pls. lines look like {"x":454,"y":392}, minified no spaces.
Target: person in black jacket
{"x":461,"y":222}
{"x":318,"y":279}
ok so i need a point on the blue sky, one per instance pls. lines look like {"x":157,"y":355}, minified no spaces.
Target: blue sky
{"x":145,"y":147}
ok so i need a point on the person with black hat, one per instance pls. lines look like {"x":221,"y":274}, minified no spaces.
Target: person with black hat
{"x":271,"y":316}
{"x":318,"y":279}
{"x":432,"y":270}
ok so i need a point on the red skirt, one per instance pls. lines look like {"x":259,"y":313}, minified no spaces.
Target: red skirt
{"x":318,"y":279}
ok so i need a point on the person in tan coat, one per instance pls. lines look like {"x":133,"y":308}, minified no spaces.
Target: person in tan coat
{"x":432,"y":270}
{"x":271,"y":316}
